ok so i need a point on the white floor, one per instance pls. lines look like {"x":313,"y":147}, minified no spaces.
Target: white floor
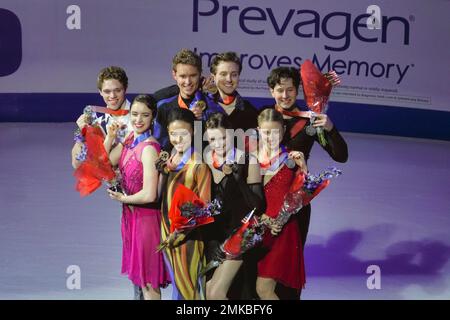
{"x":390,"y":208}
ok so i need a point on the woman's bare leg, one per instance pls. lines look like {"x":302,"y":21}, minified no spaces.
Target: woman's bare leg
{"x":151,"y":293}
{"x":218,"y":286}
{"x":265,"y":287}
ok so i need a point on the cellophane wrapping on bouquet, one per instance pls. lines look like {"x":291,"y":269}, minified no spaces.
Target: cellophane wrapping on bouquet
{"x":187,"y":212}
{"x":304,"y":189}
{"x":316,"y":90}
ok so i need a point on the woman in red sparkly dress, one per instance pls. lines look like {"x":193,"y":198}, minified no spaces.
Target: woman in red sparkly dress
{"x":283,"y":263}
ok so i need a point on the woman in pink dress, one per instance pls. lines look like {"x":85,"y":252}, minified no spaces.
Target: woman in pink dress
{"x":283,"y":262}
{"x":141,"y":217}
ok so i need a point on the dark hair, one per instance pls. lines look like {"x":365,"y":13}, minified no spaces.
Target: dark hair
{"x":218,"y":120}
{"x":181,"y":114}
{"x":228,"y":56}
{"x":112,"y":72}
{"x":186,"y":56}
{"x":149,"y":101}
{"x":270,"y":115}
{"x":279,"y":73}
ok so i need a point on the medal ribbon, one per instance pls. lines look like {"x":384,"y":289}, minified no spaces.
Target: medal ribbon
{"x":118,"y":113}
{"x":182,"y":104}
{"x":140,"y":138}
{"x":215,"y":99}
{"x":276,"y":162}
{"x":228,"y":99}
{"x":294,"y":114}
{"x":184,"y":160}
{"x":216,"y":164}
{"x":300,"y":124}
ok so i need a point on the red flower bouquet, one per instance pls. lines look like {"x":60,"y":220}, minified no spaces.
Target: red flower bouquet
{"x":187,"y":212}
{"x":303,"y":189}
{"x":316,"y":90}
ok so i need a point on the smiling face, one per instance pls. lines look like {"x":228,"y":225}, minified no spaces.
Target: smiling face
{"x":220,"y":141}
{"x":140,"y":117}
{"x":188,"y":79}
{"x":227,"y":77}
{"x":113,"y":93}
{"x":284,"y":93}
{"x":271,"y":133}
{"x":180,"y":135}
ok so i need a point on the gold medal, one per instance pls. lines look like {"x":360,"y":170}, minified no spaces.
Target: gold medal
{"x":211,"y":89}
{"x":201,"y":104}
{"x":226,"y":169}
{"x":164,"y":156}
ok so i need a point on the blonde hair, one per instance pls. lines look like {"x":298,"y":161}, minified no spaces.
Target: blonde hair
{"x":270,"y":115}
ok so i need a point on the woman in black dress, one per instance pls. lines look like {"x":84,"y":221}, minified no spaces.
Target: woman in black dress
{"x":237,"y":183}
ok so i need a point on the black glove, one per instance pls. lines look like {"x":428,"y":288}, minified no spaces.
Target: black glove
{"x":252,"y":193}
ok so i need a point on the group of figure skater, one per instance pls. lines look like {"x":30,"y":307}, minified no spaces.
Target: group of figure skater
{"x":242,"y":171}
